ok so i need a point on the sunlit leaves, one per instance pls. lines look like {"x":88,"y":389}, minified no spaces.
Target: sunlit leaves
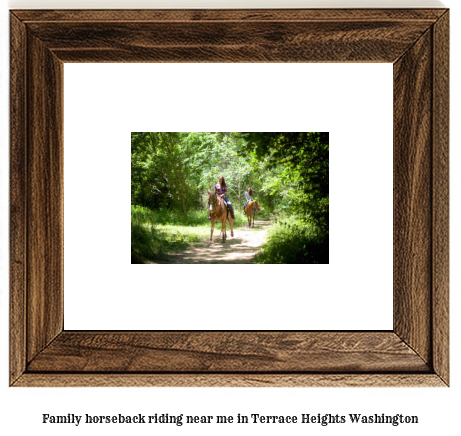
{"x":305,"y":158}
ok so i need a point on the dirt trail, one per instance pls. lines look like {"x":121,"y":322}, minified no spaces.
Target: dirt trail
{"x":238,"y":249}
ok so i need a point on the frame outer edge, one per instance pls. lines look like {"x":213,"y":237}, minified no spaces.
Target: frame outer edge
{"x":18,"y":210}
{"x":206,"y":14}
{"x":441,"y":107}
{"x":229,"y":380}
{"x":18,"y":266}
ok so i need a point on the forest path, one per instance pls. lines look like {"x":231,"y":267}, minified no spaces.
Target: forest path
{"x":241,"y":248}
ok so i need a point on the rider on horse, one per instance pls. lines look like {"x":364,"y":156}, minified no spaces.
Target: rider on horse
{"x":221,"y":189}
{"x":248,"y":196}
{"x":251,"y":207}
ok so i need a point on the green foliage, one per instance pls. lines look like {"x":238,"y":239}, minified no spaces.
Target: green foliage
{"x":171,"y":172}
{"x":144,"y":237}
{"x":301,"y":162}
{"x":150,"y":240}
{"x":156,"y":233}
{"x":174,"y":170}
{"x":160,"y":170}
{"x":293,"y":241}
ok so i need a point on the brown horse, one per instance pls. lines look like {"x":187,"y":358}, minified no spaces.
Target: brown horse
{"x":218,"y":212}
{"x":250,"y":211}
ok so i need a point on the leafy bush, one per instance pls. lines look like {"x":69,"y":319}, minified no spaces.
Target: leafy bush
{"x":294,"y":241}
{"x":142,"y":243}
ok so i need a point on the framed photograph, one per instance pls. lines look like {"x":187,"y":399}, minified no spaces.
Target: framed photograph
{"x":414,"y":353}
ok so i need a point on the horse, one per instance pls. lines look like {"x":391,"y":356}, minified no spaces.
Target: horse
{"x":250,"y":211}
{"x":219,"y":212}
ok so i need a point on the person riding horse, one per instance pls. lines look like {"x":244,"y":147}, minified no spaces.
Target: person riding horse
{"x":251,"y":207}
{"x":221,"y":190}
{"x":248,"y":196}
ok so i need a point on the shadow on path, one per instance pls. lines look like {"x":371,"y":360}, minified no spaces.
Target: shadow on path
{"x":241,"y":248}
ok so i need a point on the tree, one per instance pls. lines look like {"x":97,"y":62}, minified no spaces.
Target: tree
{"x":304,"y":157}
{"x":285,"y":170}
{"x":159,"y":167}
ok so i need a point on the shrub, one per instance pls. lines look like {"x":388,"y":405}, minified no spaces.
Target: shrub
{"x":292,"y":241}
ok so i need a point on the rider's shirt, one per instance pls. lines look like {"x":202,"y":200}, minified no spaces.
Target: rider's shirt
{"x":221,"y":189}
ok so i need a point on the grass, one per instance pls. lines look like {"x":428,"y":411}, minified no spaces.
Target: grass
{"x":155,"y":233}
{"x":292,"y":241}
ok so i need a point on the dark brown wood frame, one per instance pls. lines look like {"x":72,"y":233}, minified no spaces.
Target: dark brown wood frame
{"x":415,"y":353}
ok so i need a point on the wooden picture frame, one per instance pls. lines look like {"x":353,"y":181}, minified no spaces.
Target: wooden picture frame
{"x":414,"y":353}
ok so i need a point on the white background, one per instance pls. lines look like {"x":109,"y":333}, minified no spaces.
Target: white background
{"x":103,"y":105}
{"x":21,"y":409}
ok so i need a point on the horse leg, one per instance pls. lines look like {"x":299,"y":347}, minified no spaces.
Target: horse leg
{"x":223,"y":230}
{"x":231,"y":224}
{"x":212,"y":228}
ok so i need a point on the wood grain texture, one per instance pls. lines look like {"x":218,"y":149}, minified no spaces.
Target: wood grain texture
{"x":441,"y":212}
{"x":202,"y":15}
{"x":244,"y":41}
{"x":45,"y":241}
{"x":414,"y":354}
{"x":413,"y":196}
{"x":230,"y":380}
{"x":18,"y":211}
{"x":236,"y":352}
